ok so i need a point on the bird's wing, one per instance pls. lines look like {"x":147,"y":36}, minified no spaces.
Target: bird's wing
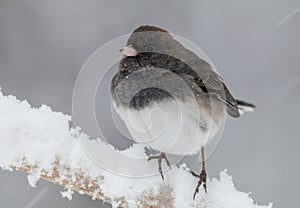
{"x":201,"y":73}
{"x":217,"y":88}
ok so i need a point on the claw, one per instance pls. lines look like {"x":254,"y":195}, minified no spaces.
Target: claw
{"x":159,"y":159}
{"x":202,"y":180}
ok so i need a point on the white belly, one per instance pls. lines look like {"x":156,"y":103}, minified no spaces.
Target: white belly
{"x":170,"y":127}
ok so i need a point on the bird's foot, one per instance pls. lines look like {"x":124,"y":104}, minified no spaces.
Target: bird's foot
{"x":160,"y":157}
{"x":202,"y":180}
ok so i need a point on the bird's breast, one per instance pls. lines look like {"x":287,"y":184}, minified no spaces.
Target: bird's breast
{"x":170,"y":126}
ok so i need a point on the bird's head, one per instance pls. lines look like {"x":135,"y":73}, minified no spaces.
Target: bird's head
{"x":148,"y":39}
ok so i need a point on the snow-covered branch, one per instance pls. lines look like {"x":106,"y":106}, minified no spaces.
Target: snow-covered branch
{"x":42,"y":143}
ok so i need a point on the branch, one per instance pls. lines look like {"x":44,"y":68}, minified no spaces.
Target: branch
{"x":42,"y":143}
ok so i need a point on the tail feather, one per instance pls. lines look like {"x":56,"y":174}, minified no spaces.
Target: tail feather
{"x":245,"y":107}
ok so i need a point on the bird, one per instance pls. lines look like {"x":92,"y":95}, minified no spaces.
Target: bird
{"x":157,"y":72}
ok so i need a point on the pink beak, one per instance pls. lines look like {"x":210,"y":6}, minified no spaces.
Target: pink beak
{"x":128,"y":51}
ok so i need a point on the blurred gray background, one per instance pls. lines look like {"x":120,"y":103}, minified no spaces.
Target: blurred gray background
{"x":253,"y":44}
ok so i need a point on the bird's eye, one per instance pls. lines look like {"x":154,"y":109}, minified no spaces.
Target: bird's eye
{"x":149,"y":49}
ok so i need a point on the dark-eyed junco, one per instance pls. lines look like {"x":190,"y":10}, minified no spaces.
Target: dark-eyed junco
{"x":158,"y":72}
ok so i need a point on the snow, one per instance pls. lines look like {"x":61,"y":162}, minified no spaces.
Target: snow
{"x":40,"y":137}
{"x":68,"y":193}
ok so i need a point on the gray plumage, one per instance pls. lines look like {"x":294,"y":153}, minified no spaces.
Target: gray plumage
{"x":157,"y":70}
{"x":158,"y":50}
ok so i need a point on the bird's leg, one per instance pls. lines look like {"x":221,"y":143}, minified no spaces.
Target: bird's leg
{"x":202,"y":176}
{"x":159,"y":158}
